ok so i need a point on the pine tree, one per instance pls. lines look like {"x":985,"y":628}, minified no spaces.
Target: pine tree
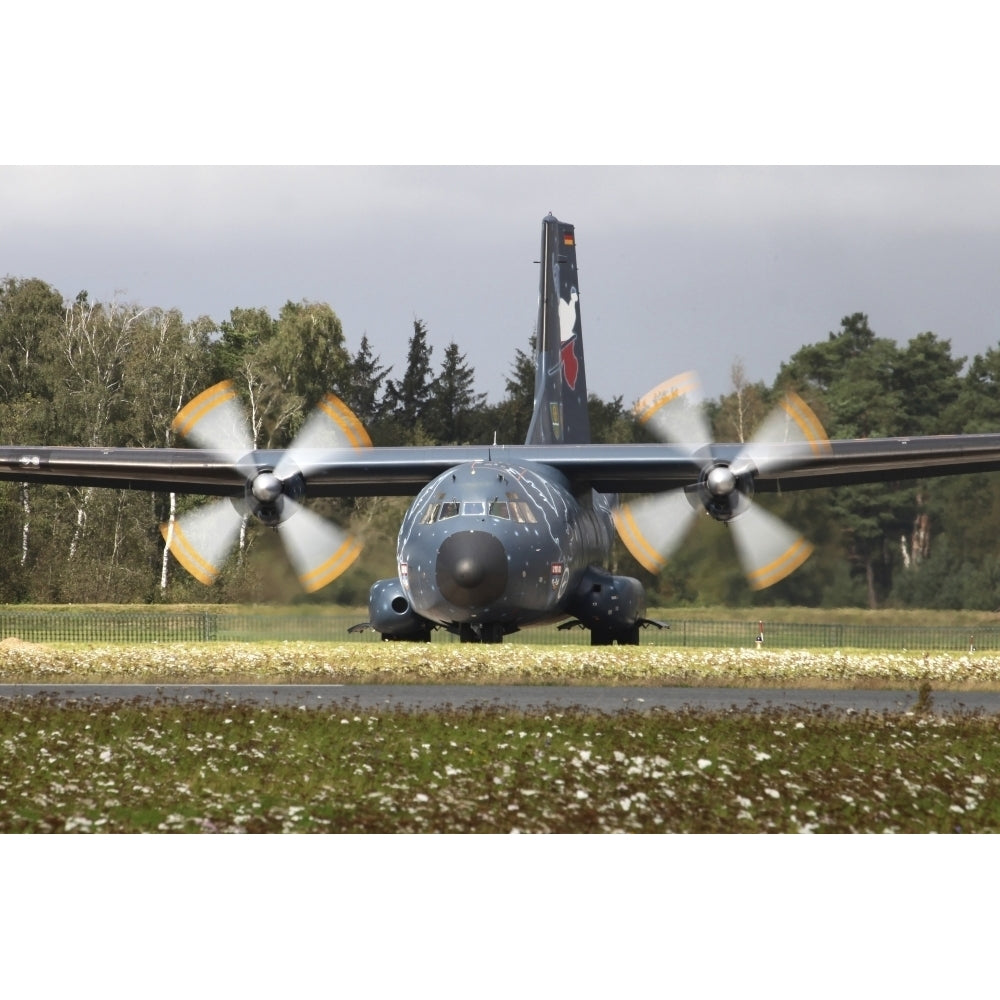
{"x":363,"y":392}
{"x":408,"y":398}
{"x":453,"y":406}
{"x":514,"y":413}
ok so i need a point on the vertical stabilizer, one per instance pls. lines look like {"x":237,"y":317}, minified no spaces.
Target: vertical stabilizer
{"x":560,"y":415}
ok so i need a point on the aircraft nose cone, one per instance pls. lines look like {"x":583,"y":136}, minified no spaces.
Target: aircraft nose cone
{"x":471,"y":569}
{"x":467,"y":572}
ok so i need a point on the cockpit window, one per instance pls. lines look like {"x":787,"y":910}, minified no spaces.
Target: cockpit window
{"x":522,"y":512}
{"x":519,"y":511}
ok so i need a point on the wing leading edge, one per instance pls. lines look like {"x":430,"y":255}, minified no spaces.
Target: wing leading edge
{"x":608,"y":468}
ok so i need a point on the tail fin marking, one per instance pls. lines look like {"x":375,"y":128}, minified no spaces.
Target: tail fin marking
{"x":560,"y":412}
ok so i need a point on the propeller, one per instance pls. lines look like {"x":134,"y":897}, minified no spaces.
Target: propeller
{"x":654,"y":526}
{"x":202,"y":538}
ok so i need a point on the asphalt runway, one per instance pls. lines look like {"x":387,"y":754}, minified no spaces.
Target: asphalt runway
{"x":420,"y":697}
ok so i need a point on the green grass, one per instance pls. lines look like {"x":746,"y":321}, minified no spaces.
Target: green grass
{"x":241,"y":768}
{"x":787,"y":628}
{"x":888,"y":617}
{"x":844,"y":616}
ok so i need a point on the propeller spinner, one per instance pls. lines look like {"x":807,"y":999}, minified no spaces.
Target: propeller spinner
{"x":202,"y":538}
{"x":653,"y":527}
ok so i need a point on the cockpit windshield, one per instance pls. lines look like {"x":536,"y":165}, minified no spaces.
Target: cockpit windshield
{"x":507,"y":510}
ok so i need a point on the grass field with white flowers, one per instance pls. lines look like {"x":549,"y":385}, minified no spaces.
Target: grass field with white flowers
{"x":200,"y":767}
{"x":210,"y":768}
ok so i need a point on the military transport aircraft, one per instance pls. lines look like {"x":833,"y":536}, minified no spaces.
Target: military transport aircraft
{"x":500,"y":537}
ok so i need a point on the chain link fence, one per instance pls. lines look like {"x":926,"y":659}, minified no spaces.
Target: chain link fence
{"x":211,"y":625}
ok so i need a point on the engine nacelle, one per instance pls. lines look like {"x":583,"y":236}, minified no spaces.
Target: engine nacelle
{"x":608,"y":604}
{"x":390,"y":613}
{"x":721,"y":492}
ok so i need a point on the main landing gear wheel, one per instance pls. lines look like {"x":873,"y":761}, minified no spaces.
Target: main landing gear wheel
{"x":608,"y":637}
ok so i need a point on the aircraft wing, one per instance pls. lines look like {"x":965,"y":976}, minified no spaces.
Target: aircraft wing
{"x":181,"y":470}
{"x":642,"y":468}
{"x":871,"y":460}
{"x":634,"y":468}
{"x":329,"y":472}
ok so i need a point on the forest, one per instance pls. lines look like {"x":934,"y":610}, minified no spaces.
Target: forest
{"x":77,"y":372}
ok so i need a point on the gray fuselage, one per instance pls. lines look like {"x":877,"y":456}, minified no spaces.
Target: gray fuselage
{"x":491,"y":542}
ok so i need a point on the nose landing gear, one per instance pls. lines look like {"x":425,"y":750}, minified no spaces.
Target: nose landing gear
{"x":492,"y":632}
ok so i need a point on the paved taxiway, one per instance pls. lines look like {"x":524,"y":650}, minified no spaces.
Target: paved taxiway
{"x":418,"y":697}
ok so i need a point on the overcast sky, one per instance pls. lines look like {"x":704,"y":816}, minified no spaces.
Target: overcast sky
{"x":680,"y":267}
